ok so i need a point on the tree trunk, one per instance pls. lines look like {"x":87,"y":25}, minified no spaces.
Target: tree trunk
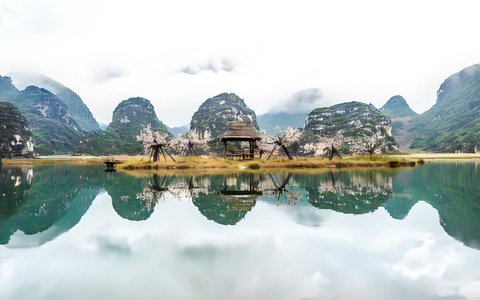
{"x":272,"y":152}
{"x":286,"y":151}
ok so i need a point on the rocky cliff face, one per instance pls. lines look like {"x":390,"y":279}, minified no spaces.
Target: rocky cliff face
{"x":54,"y":131}
{"x":15,"y":136}
{"x":212,"y":117}
{"x":43,"y":103}
{"x":352,"y":120}
{"x":453,"y":123}
{"x":131,"y":115}
{"x":76,"y":107}
{"x":78,"y":110}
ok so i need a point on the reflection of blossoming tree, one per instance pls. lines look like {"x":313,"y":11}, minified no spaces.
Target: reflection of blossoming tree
{"x":154,"y":143}
{"x":154,"y":190}
{"x":279,"y":188}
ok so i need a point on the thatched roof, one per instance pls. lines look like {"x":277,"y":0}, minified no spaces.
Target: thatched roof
{"x":240,"y":131}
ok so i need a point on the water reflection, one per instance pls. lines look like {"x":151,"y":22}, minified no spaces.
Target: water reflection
{"x":453,"y":189}
{"x":52,"y":199}
{"x":354,"y":192}
{"x":35,"y":200}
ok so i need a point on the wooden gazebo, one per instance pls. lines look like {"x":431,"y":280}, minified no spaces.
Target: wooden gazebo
{"x":241,"y":132}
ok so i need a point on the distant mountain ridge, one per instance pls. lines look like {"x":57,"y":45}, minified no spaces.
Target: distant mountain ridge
{"x":176,"y":131}
{"x":291,"y":113}
{"x":274,"y":122}
{"x":453,"y":123}
{"x":76,"y":107}
{"x":398,"y":110}
{"x":54,"y":131}
{"x":397,"y":107}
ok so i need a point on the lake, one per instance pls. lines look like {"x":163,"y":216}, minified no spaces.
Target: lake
{"x":77,"y":232}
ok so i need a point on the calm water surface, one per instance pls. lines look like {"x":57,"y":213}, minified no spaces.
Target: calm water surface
{"x":70,"y":232}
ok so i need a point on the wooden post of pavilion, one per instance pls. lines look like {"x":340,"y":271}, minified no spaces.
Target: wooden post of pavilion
{"x":242,"y":132}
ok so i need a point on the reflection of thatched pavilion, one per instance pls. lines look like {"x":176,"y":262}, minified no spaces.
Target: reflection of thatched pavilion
{"x":243,"y":199}
{"x":241,"y":132}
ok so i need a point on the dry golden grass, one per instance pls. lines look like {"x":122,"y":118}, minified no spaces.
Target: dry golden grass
{"x":203,"y":163}
{"x":212,"y":164}
{"x":51,"y":161}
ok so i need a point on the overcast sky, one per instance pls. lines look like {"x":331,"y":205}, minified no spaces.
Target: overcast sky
{"x":179,"y":53}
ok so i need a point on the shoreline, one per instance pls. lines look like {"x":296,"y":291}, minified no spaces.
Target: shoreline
{"x":202,"y":163}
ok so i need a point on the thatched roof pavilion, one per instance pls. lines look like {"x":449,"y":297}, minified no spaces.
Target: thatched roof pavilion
{"x":243,"y":132}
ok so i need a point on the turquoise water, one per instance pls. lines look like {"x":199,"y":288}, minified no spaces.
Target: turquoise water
{"x":71,"y":232}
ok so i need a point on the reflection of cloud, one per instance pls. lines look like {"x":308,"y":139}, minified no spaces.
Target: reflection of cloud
{"x":422,"y":261}
{"x":471,"y":291}
{"x":109,"y":244}
{"x":214,"y":64}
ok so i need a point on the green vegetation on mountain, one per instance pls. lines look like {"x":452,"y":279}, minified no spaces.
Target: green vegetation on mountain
{"x":350,"y":120}
{"x":398,"y":110}
{"x":213,"y":115}
{"x":453,"y":123}
{"x":7,"y":89}
{"x":397,"y":107}
{"x":78,"y":110}
{"x":54,"y":131}
{"x":120,"y":137}
{"x":76,"y":107}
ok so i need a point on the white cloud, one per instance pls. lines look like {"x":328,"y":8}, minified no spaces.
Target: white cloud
{"x":366,"y":51}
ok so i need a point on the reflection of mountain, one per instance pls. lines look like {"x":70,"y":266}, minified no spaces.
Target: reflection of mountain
{"x":352,"y":192}
{"x":53,"y":199}
{"x":453,"y":189}
{"x":52,"y":195}
{"x":228,"y":197}
{"x":129,"y":199}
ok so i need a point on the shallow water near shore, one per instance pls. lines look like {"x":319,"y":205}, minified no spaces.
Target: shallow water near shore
{"x":77,"y":232}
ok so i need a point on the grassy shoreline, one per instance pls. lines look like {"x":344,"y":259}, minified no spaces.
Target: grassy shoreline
{"x":210,"y":162}
{"x":215,"y":164}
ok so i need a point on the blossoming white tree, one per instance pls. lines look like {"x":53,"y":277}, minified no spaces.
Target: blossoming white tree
{"x":370,"y":145}
{"x":287,"y":138}
{"x":189,"y":144}
{"x":154,"y":142}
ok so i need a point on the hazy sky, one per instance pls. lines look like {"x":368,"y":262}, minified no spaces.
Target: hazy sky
{"x":179,"y":53}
